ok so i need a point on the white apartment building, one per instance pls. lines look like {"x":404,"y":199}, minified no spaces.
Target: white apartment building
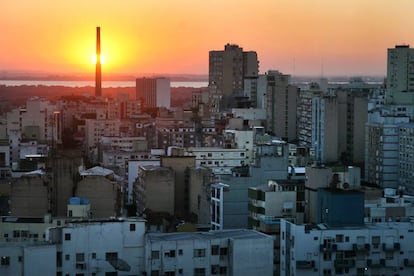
{"x":96,"y":247}
{"x":219,"y":160}
{"x":120,"y":246}
{"x":216,"y":205}
{"x":382,"y":149}
{"x":27,"y":259}
{"x":230,"y":252}
{"x":392,"y":207}
{"x":406,"y":156}
{"x":372,"y":249}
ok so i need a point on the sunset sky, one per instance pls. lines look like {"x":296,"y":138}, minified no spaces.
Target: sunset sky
{"x":300,"y":37}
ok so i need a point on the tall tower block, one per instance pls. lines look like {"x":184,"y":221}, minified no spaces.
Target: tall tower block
{"x":98,"y":80}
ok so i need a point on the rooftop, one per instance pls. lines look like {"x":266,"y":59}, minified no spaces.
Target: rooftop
{"x":219,"y":234}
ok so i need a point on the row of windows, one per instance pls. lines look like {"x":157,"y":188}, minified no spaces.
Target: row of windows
{"x":200,"y":271}
{"x":197,"y":253}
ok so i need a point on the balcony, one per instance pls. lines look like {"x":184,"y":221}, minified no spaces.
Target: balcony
{"x":391,"y":247}
{"x":344,"y":263}
{"x":305,"y":264}
{"x":376,"y":263}
{"x":328,"y":248}
{"x":361,"y":247}
{"x":409,"y":263}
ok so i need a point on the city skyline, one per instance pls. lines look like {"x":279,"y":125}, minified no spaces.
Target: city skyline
{"x":298,"y":38}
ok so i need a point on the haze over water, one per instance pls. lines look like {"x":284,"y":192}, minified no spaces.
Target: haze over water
{"x":195,"y":84}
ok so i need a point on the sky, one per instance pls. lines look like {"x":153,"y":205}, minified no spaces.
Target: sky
{"x":297,"y":37}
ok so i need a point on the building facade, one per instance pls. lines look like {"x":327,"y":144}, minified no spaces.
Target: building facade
{"x":227,"y":70}
{"x":372,"y":249}
{"x":232,"y":252}
{"x":400,"y":75}
{"x":153,"y":92}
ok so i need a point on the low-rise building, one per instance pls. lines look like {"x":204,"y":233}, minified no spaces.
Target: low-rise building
{"x":231,"y":252}
{"x":370,"y":249}
{"x":103,"y":189}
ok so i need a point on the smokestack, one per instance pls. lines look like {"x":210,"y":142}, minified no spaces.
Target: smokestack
{"x":98,"y":84}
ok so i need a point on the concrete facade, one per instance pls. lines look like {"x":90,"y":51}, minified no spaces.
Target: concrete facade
{"x":381,"y":248}
{"x":400,"y":76}
{"x":103,"y":189}
{"x":281,"y":104}
{"x":153,"y":92}
{"x":227,"y":70}
{"x":154,"y":189}
{"x":232,"y":252}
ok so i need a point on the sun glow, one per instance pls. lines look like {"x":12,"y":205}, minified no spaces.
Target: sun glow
{"x":103,"y":59}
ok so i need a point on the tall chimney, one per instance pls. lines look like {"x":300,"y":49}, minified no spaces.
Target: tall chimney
{"x":98,"y":84}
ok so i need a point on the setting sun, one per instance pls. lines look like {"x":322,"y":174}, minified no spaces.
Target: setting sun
{"x":103,"y":59}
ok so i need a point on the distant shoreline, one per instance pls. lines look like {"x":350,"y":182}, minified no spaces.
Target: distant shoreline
{"x":105,"y":84}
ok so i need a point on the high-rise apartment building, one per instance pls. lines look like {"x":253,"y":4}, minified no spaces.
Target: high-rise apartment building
{"x":153,"y":92}
{"x":325,"y":128}
{"x":281,"y":102}
{"x":227,"y":70}
{"x":406,"y":156}
{"x":382,"y":149}
{"x":400,"y":75}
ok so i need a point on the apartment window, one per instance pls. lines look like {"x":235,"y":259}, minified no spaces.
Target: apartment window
{"x":389,"y":255}
{"x":215,"y":250}
{"x":132,"y":227}
{"x":6,"y":235}
{"x":215,"y":269}
{"x":5,"y":260}
{"x":327,"y":256}
{"x":93,"y":255}
{"x":20,"y":259}
{"x":169,"y":273}
{"x":376,"y":241}
{"x":67,"y":257}
{"x":180,"y":252}
{"x":109,"y":256}
{"x":199,"y":253}
{"x":155,"y":254}
{"x":155,"y":272}
{"x":223,"y":270}
{"x":199,"y":271}
{"x":339,"y":238}
{"x":223,"y":251}
{"x":170,"y":254}
{"x":16,"y":234}
{"x":80,"y":257}
{"x":67,"y":236}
